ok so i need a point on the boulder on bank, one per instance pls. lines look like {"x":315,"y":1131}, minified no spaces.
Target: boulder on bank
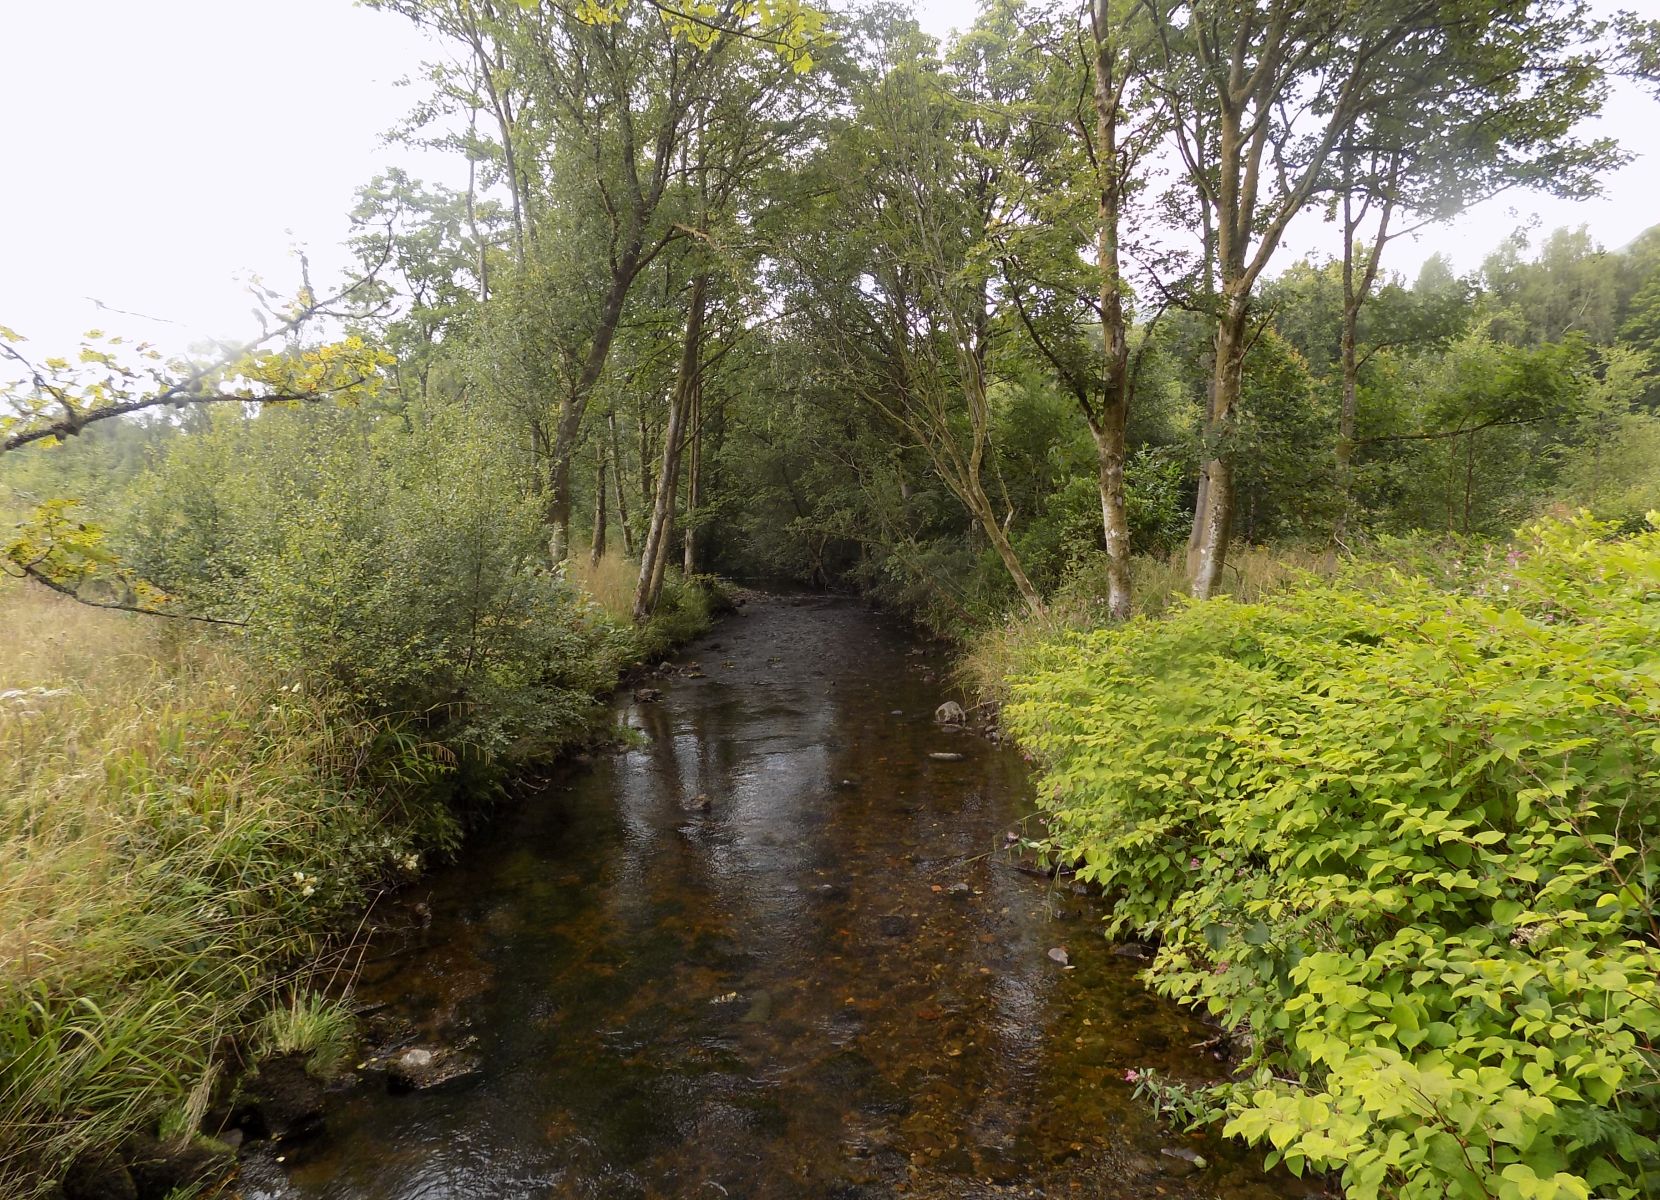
{"x":950,"y":713}
{"x":159,"y":1169}
{"x":99,"y":1176}
{"x":285,"y":1101}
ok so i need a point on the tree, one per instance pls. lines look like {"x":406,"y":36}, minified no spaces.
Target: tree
{"x":899,"y":281}
{"x":1274,"y":105}
{"x":1455,"y":118}
{"x":1087,"y":136}
{"x":593,"y":108}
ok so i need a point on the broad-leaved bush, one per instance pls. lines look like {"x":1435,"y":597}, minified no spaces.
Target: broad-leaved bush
{"x":1402,"y":839}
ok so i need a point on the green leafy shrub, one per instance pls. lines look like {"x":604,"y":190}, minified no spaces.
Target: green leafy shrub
{"x":403,"y":569}
{"x":1402,"y":840}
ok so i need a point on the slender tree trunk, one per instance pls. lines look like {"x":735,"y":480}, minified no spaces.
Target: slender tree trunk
{"x":694,"y":482}
{"x":574,"y":403}
{"x":1202,"y":493}
{"x":1109,"y":430}
{"x":598,"y":550}
{"x":622,"y":491}
{"x":1216,"y":513}
{"x":1345,"y":435}
{"x":1357,"y":286}
{"x":654,"y":553}
{"x":644,"y":430}
{"x":1109,"y":458}
{"x":472,"y":216}
{"x":660,"y":562}
{"x":1469,"y":476}
{"x":1011,"y":561}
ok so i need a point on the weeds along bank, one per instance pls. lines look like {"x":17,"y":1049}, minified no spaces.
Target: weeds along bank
{"x":1400,"y":837}
{"x":183,"y":833}
{"x":192,"y":816}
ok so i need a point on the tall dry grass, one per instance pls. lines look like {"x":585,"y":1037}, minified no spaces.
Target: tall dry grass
{"x":609,"y":583}
{"x":176,"y":830}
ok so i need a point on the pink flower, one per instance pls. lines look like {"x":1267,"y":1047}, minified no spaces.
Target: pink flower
{"x":1131,"y":1076}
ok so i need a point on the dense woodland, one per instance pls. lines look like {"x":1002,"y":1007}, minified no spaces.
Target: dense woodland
{"x":1004,"y":334}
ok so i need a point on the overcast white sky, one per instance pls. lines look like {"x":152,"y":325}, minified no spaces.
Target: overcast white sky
{"x":157,"y":151}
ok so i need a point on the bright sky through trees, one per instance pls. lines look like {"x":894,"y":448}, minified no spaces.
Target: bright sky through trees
{"x":158,"y":152}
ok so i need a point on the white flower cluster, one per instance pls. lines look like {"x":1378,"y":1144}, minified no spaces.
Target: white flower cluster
{"x":306,"y":883}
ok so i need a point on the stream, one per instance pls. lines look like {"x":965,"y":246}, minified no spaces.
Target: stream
{"x":773,"y":950}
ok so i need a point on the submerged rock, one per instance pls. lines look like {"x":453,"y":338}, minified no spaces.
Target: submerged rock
{"x":1059,"y":954}
{"x":1180,"y":1161}
{"x":421,"y":1068}
{"x":947,"y":756}
{"x":760,"y":1009}
{"x":646,"y":695}
{"x":950,"y":713}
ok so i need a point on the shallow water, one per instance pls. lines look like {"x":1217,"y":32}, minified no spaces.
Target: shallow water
{"x":781,"y":996}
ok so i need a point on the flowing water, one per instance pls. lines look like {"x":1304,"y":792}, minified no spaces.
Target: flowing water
{"x":740,"y":960}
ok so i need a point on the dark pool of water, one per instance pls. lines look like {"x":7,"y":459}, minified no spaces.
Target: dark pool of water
{"x":781,"y":996}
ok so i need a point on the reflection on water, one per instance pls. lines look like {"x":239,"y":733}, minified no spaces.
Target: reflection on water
{"x":737,"y":962}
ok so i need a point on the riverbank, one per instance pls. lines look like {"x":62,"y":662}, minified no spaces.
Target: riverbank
{"x":185,"y":836}
{"x":1397,"y":834}
{"x":774,"y":945}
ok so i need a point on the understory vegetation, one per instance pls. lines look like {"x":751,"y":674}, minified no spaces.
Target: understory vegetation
{"x":182,"y":831}
{"x":1397,"y":835}
{"x":196,"y":814}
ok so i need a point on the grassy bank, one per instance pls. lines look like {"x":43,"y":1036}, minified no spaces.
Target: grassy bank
{"x":1399,"y":836}
{"x":184,"y":829}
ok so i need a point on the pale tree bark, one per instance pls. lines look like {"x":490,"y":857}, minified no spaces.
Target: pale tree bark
{"x":597,"y":552}
{"x":620,"y":485}
{"x":654,"y":551}
{"x":694,"y":483}
{"x":1196,"y":534}
{"x":1357,"y":288}
{"x":1215,"y":514}
{"x":1109,"y":428}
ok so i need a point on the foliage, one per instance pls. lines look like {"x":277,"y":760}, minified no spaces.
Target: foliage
{"x":179,"y":829}
{"x":56,"y":397}
{"x":322,"y":1030}
{"x":1402,"y":841}
{"x":400,"y":569}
